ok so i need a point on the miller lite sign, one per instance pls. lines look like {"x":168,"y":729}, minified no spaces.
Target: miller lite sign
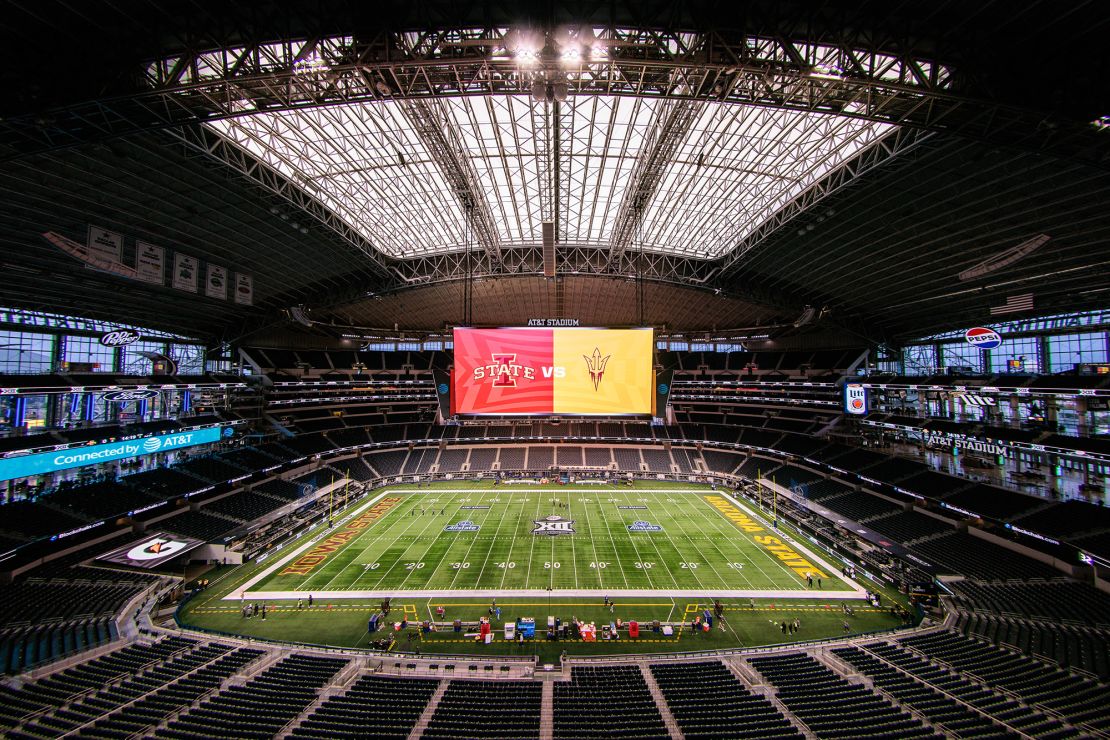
{"x":855,"y":399}
{"x":982,"y":337}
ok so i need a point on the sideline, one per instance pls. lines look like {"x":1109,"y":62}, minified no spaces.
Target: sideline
{"x":266,"y":572}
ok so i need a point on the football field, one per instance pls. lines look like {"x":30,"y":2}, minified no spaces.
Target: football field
{"x":507,"y":540}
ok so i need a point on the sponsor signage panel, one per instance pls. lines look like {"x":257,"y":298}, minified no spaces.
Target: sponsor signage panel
{"x":152,"y":551}
{"x":464,"y":526}
{"x":855,"y":399}
{"x":982,"y":337}
{"x":119,"y":338}
{"x":76,"y":457}
{"x":128,"y":396}
{"x":553,"y":371}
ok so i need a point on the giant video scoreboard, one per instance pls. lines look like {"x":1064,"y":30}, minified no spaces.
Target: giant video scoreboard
{"x":552,"y":371}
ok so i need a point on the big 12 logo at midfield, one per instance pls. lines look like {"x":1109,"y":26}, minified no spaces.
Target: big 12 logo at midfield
{"x":553,"y":525}
{"x":855,"y":399}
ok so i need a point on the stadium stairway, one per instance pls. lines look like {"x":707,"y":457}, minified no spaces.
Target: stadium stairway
{"x":661,"y":702}
{"x":426,"y":715}
{"x":547,"y":711}
{"x":338,"y":685}
{"x":754,"y":682}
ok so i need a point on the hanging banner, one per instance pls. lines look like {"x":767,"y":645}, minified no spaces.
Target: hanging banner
{"x":244,"y":289}
{"x":215,"y":283}
{"x":104,"y":246}
{"x":150,"y":263}
{"x":185,"y":272}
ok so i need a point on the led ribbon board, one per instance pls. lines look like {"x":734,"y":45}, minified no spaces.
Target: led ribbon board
{"x":522,"y":371}
{"x":76,"y":457}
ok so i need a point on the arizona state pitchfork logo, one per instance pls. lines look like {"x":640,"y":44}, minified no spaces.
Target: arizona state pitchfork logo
{"x":596,"y":364}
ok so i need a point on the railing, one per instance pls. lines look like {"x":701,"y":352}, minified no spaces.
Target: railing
{"x":730,"y":652}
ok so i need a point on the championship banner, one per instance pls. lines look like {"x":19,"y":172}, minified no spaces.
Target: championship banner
{"x":152,"y":551}
{"x":553,"y":371}
{"x":215,"y":283}
{"x":150,"y":263}
{"x":104,"y":245}
{"x":185,"y":272}
{"x":244,"y":289}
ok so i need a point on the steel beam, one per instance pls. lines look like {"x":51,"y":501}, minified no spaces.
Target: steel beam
{"x":829,"y":77}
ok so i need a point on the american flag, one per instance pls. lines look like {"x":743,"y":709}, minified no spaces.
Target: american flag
{"x":1014,"y":304}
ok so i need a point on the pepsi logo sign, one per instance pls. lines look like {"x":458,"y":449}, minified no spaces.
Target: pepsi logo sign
{"x":119,"y":338}
{"x":126,"y":396}
{"x":982,"y":337}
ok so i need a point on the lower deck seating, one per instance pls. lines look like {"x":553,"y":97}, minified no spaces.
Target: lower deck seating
{"x":382,"y":707}
{"x":708,"y":702}
{"x":944,"y":712}
{"x":262,"y":706}
{"x":1003,"y":708}
{"x":831,"y":706}
{"x":59,"y":688}
{"x":606,"y":702}
{"x":141,"y":716}
{"x":1070,"y":696}
{"x":487,"y":709}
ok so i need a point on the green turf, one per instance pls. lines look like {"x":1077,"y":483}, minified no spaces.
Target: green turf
{"x":342,"y":621}
{"x":697,"y":548}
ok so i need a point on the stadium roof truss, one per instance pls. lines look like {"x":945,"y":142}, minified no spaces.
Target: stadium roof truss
{"x":420,"y":143}
{"x":410,"y":175}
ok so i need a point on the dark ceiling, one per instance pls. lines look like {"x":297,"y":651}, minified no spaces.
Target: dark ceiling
{"x":881,"y":253}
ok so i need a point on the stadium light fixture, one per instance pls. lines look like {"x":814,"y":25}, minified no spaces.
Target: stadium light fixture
{"x":826,"y":72}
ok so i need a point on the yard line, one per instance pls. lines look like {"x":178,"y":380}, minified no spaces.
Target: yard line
{"x":573,"y":555}
{"x":532,"y":545}
{"x":658,"y":552}
{"x":352,"y":544}
{"x":401,"y":559}
{"x":719,"y":519}
{"x":713,"y":542}
{"x":466,"y":555}
{"x":500,"y":520}
{"x":639,"y":557}
{"x":685,"y":558}
{"x":512,"y":544}
{"x":729,"y":533}
{"x":428,"y":549}
{"x":593,"y":545}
